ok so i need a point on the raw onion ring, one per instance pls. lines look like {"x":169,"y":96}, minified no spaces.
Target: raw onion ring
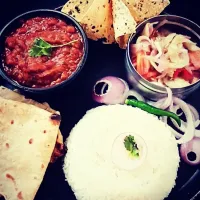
{"x":190,"y":128}
{"x":110,"y":90}
{"x":190,"y":151}
{"x":194,"y":112}
{"x":135,"y":94}
{"x":165,"y":102}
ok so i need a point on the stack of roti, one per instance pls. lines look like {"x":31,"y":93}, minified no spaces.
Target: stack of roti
{"x":112,"y":20}
{"x":29,"y":140}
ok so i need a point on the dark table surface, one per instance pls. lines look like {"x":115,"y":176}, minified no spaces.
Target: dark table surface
{"x":74,"y":100}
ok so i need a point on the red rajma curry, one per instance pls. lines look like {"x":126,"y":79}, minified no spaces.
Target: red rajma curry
{"x":42,"y":71}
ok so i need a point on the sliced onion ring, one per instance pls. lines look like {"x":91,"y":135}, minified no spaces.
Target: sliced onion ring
{"x":175,"y":133}
{"x":135,"y":94}
{"x":110,"y":90}
{"x":190,"y":151}
{"x":194,"y":112}
{"x":190,"y":128}
{"x":165,"y":102}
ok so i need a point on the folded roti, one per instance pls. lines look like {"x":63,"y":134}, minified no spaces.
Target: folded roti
{"x":27,"y":139}
{"x":123,"y":22}
{"x":144,"y":9}
{"x":15,"y":96}
{"x":95,"y":16}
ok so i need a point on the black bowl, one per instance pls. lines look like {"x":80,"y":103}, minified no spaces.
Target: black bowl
{"x":17,"y":22}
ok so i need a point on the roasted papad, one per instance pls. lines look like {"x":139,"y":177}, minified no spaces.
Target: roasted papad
{"x":144,"y":9}
{"x":98,"y":17}
{"x":95,"y":17}
{"x":124,"y":23}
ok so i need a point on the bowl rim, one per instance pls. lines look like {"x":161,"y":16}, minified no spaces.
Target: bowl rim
{"x":79,"y":66}
{"x":146,"y":83}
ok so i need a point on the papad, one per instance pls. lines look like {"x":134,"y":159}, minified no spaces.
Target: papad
{"x":123,"y":22}
{"x":95,"y":18}
{"x":144,"y":9}
{"x":76,"y":8}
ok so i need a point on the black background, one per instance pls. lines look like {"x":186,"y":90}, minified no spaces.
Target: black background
{"x":74,"y":100}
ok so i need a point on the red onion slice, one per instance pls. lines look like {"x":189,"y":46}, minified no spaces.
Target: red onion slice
{"x":135,"y":94}
{"x":190,"y":151}
{"x":197,"y":123}
{"x":190,"y":128}
{"x":181,"y":128}
{"x":175,"y":109}
{"x":113,"y":90}
{"x":194,"y":112}
{"x":165,"y":102}
{"x":197,"y":133}
{"x":175,"y":133}
{"x":110,"y":90}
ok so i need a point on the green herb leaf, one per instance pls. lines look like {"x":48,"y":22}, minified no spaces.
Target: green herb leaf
{"x":131,"y":146}
{"x":40,"y":48}
{"x":43,"y":48}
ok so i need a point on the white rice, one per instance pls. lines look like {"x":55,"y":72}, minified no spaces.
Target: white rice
{"x":88,"y":166}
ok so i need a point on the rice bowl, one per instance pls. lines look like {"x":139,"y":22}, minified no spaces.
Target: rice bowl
{"x":90,"y":170}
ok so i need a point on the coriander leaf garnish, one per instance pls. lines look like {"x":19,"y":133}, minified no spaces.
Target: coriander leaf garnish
{"x":42,"y":48}
{"x":131,"y":146}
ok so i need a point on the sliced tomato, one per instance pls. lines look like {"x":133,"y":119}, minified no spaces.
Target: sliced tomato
{"x":196,"y":74}
{"x":143,"y":65}
{"x":146,"y":65}
{"x":139,"y":62}
{"x":184,"y":74}
{"x":177,"y":73}
{"x":195,"y":58}
{"x":151,"y":75}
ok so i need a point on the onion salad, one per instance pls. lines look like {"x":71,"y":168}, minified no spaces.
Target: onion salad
{"x":168,"y":58}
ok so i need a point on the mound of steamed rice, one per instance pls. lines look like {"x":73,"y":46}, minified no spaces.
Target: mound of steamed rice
{"x":88,"y":166}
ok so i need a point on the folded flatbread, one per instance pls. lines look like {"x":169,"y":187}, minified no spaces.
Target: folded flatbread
{"x":16,"y":96}
{"x":144,"y":9}
{"x":77,"y":9}
{"x":28,"y":136}
{"x":98,"y":17}
{"x":95,"y":16}
{"x":124,"y":23}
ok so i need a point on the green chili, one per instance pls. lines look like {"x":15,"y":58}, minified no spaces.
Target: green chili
{"x":153,"y":110}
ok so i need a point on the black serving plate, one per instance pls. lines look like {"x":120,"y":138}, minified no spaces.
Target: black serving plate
{"x":75,"y":99}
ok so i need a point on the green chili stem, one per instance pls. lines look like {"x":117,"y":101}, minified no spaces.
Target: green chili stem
{"x":153,"y":110}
